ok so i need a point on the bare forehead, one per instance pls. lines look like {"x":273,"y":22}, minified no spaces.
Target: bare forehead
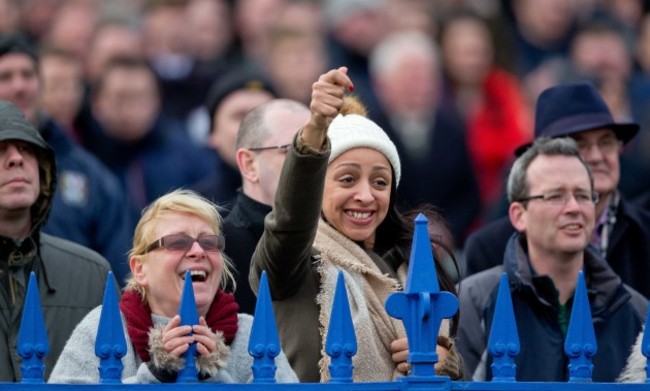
{"x":557,"y":171}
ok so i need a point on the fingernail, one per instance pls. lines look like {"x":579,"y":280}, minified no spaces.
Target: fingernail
{"x":351,"y":88}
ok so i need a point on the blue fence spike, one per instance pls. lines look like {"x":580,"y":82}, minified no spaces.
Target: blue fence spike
{"x":645,"y":344}
{"x":422,"y":306}
{"x":189,"y":317}
{"x":264,"y":343}
{"x":33,"y":344}
{"x":580,"y":344}
{"x":341,"y":344}
{"x":503,"y":344}
{"x":110,"y":345}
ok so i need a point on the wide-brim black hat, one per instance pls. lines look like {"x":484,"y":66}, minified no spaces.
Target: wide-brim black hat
{"x":572,"y":108}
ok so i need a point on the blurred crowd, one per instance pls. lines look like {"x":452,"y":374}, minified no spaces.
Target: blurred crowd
{"x":453,"y":83}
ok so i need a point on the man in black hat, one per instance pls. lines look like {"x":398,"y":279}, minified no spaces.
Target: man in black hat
{"x":622,"y":228}
{"x":230,"y":98}
{"x":552,"y":207}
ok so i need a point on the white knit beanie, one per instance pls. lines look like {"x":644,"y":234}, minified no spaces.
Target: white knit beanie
{"x":356,"y":131}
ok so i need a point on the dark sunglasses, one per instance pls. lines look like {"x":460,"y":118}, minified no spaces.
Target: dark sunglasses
{"x":182,"y":242}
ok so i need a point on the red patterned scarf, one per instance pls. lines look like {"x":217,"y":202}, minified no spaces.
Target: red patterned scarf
{"x":222,"y":316}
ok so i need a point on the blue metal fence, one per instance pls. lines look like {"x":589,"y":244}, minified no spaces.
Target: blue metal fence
{"x":421,"y":307}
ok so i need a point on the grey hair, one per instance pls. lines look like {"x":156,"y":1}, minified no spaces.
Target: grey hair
{"x":255,"y":130}
{"x":517,"y":187}
{"x":388,"y":53}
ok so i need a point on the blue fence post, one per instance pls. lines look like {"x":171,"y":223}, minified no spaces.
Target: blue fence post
{"x":110,"y":345}
{"x":422,"y":306}
{"x":189,"y":317}
{"x":645,"y":345}
{"x":33,"y":344}
{"x":264,"y":343}
{"x":341,"y":342}
{"x":503,"y":344}
{"x":580,"y":344}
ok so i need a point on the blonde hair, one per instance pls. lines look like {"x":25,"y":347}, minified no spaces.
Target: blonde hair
{"x":177,"y":201}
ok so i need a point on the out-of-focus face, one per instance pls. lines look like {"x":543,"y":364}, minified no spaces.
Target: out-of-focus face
{"x":601,"y":149}
{"x":162,"y":272}
{"x":604,"y":55}
{"x":228,"y":117}
{"x":556,"y":228}
{"x":357,"y":193}
{"x":19,"y":83}
{"x":467,"y":51}
{"x":294,"y":64}
{"x":111,"y":41}
{"x":210,"y":27}
{"x":269,"y":162}
{"x":411,"y":89}
{"x":19,"y":178}
{"x":62,"y":91}
{"x":128,"y":103}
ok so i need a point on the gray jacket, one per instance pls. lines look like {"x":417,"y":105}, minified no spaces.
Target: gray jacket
{"x":78,"y":363}
{"x":70,"y":277}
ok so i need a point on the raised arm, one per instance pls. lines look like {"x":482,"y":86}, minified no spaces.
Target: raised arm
{"x":285,"y":248}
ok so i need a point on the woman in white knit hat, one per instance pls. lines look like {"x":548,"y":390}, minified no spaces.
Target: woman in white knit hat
{"x":334,"y":210}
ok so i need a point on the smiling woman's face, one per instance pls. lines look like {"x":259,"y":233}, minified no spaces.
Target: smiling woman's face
{"x":357,"y":193}
{"x":162,"y":271}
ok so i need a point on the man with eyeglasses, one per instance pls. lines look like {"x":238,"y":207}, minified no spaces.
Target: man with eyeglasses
{"x":263,"y":140}
{"x":552,"y":207}
{"x":622,"y":228}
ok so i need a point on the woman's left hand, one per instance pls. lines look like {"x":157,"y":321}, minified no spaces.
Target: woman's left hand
{"x":400,"y":350}
{"x":205,"y":338}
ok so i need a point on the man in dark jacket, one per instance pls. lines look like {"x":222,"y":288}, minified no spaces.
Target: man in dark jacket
{"x":622,"y":228}
{"x":263,"y":140}
{"x":552,"y":207}
{"x":89,"y":206}
{"x":71,"y":278}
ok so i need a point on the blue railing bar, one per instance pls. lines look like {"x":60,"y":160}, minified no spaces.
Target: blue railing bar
{"x":645,"y":344}
{"x":264,"y":343}
{"x":189,"y":317}
{"x":422,"y":306}
{"x":341,"y":344}
{"x":110,"y":345}
{"x":33,"y":343}
{"x":503,"y":343}
{"x":580,"y":344}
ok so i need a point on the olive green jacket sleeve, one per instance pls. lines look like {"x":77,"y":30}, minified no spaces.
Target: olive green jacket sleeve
{"x":285,"y":248}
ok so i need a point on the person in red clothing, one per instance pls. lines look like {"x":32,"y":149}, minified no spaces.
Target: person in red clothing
{"x":491,"y":101}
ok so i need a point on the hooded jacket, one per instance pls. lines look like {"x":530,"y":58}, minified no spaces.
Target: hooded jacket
{"x":70,"y":278}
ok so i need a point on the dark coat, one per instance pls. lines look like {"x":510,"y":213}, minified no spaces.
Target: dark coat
{"x":628,"y":253}
{"x":243,"y":228}
{"x":444,"y":178}
{"x":617,"y":314}
{"x":89,"y":204}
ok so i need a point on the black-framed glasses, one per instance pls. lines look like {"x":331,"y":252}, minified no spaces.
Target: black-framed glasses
{"x":562,"y":197}
{"x":182,"y":242}
{"x":284,"y":148}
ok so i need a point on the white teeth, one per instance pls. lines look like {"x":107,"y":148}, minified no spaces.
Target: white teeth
{"x":194,"y":274}
{"x":359,"y":215}
{"x":572,"y":226}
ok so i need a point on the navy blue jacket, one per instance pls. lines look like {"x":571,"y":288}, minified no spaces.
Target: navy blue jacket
{"x":628,"y":253}
{"x":89,"y":205}
{"x":165,"y":159}
{"x":617,"y":314}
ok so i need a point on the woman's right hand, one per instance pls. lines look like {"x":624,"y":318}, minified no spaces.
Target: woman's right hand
{"x":176,"y":339}
{"x":326,"y":102}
